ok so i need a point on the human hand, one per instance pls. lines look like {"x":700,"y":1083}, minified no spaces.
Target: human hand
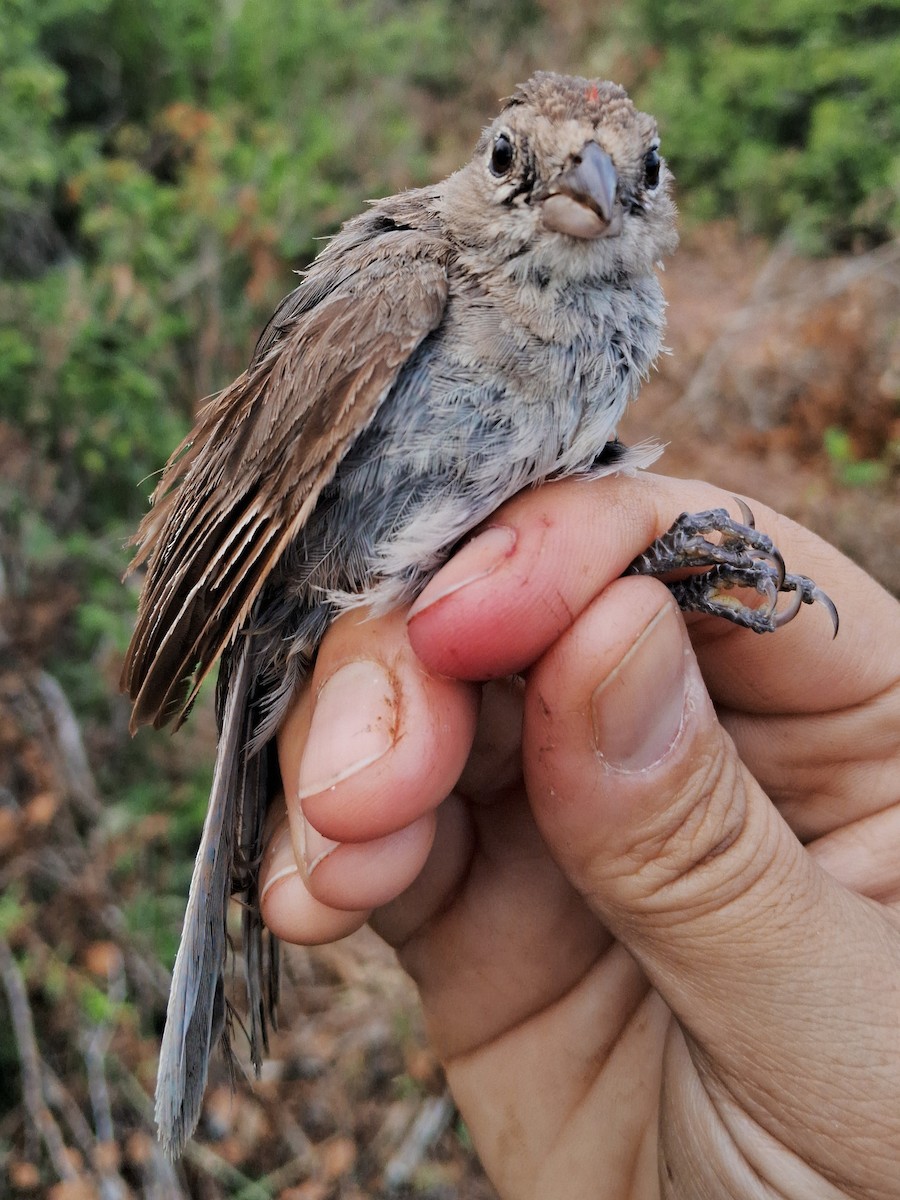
{"x":640,"y":981}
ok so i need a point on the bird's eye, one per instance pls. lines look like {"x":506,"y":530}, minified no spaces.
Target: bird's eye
{"x":651,"y":167}
{"x":501,"y":155}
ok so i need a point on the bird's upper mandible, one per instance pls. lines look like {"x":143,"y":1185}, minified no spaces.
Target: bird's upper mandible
{"x":583,"y":201}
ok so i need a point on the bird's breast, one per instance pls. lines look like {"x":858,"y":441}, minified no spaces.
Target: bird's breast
{"x":487,"y":405}
{"x":490,"y":403}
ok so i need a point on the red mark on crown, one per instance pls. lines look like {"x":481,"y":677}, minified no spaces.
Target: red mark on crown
{"x":592,"y":93}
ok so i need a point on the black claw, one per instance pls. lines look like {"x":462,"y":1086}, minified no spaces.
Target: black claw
{"x":829,"y":605}
{"x":769,"y":589}
{"x":787,"y":614}
{"x":742,"y":558}
{"x":746,"y":512}
{"x":780,"y":567}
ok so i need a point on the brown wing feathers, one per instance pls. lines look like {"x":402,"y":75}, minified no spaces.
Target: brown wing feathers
{"x":240,"y":488}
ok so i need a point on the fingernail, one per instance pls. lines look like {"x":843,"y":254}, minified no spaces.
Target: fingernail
{"x":476,"y":560}
{"x":353,"y":725}
{"x":280,"y":860}
{"x":638,"y":710}
{"x":315,"y":848}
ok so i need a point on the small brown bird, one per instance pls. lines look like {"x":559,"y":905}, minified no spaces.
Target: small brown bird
{"x":449,"y":347}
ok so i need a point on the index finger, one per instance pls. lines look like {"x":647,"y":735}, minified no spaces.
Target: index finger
{"x":506,"y":596}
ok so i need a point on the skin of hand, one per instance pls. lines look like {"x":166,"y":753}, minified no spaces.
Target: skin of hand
{"x":648,"y":888}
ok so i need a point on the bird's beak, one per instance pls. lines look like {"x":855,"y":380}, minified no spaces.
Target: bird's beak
{"x":581,"y":202}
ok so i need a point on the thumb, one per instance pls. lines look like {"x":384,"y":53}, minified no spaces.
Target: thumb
{"x":645,"y":804}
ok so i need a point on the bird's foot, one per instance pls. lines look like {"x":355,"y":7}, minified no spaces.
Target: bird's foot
{"x":743,"y":557}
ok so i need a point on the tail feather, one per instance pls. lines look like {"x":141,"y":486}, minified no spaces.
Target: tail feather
{"x":260,"y":1003}
{"x":196,"y":999}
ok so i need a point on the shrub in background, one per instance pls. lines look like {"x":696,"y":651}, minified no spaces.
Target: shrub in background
{"x":785,"y":113}
{"x":163,"y":167}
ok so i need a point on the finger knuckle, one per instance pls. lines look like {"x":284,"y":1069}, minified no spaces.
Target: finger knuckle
{"x":704,"y":847}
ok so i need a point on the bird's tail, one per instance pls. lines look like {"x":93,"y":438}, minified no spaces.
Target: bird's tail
{"x":196,"y":1014}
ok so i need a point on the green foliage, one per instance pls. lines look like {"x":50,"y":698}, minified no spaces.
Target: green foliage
{"x":785,"y":113}
{"x":848,"y":467}
{"x":163,"y":168}
{"x":32,"y":91}
{"x":13,"y":911}
{"x":170,"y":162}
{"x":156,"y":917}
{"x":96,"y":1006}
{"x":461,"y":1129}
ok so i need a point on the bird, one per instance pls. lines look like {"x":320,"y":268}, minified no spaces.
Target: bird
{"x":450,"y":346}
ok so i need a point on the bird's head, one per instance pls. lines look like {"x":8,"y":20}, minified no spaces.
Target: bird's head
{"x":570,"y":173}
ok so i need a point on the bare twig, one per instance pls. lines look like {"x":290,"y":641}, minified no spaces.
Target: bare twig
{"x":29,"y":1057}
{"x":162,"y":1182}
{"x":433,"y":1118}
{"x":274,"y":1183}
{"x":95,"y":1046}
{"x":72,"y":759}
{"x":301,"y":1148}
{"x":150,"y":977}
{"x":195,"y":1153}
{"x":60,"y":1098}
{"x":161,"y":1177}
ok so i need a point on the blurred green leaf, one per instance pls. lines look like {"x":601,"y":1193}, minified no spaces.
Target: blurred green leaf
{"x":850,"y":469}
{"x":13,"y":911}
{"x":784,"y":114}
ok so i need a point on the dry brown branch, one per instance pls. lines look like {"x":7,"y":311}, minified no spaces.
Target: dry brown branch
{"x":30,"y":1061}
{"x":95,"y":1046}
{"x":160,"y":1176}
{"x":299,"y":1145}
{"x":195,"y":1153}
{"x":68,"y":871}
{"x":274,"y":1183}
{"x":70,"y":753}
{"x":61,"y":1099}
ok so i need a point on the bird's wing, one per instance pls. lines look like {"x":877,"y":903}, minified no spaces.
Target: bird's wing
{"x":242,"y":485}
